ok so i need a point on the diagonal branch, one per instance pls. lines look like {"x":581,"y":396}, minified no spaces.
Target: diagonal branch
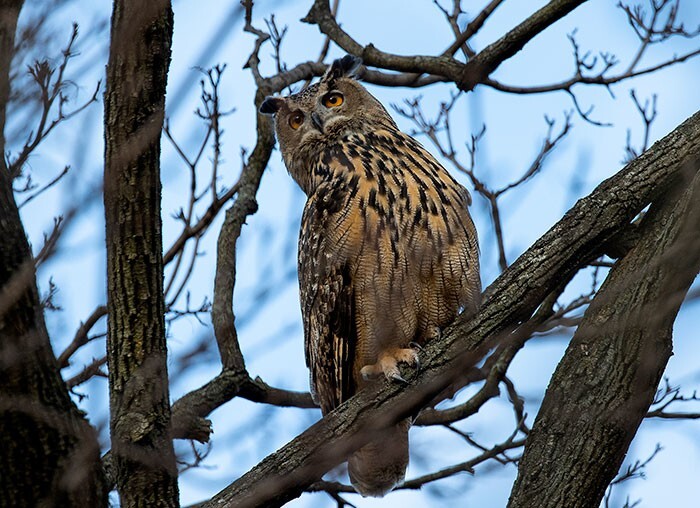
{"x":465,"y":76}
{"x":472,"y":28}
{"x":488,"y":59}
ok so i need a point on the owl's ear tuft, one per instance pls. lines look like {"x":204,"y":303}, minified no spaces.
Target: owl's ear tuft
{"x":343,"y":67}
{"x":271,"y":105}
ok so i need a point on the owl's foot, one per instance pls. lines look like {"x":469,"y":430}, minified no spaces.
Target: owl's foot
{"x":388,"y":364}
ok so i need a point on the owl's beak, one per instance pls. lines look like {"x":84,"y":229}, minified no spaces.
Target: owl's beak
{"x":317,"y":121}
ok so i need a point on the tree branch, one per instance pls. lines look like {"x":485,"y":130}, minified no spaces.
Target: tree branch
{"x":465,"y":76}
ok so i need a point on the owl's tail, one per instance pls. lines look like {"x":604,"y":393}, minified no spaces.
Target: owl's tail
{"x":380,"y":465}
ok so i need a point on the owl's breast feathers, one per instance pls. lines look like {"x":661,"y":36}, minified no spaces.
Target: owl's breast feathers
{"x":386,"y":242}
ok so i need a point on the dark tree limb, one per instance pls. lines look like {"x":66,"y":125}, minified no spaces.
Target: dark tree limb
{"x":244,"y":205}
{"x":465,"y":76}
{"x":81,"y":336}
{"x":603,"y":387}
{"x":50,"y":454}
{"x":486,"y":61}
{"x":512,"y":299}
{"x":144,"y":460}
{"x":190,"y":412}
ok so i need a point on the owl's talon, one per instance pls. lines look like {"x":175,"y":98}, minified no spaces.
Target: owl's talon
{"x":388,"y":364}
{"x":416,"y":346}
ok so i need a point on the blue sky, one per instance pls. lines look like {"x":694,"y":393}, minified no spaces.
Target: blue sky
{"x":207,"y":33}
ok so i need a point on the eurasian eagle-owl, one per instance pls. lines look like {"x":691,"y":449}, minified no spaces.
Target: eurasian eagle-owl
{"x":387,"y":251}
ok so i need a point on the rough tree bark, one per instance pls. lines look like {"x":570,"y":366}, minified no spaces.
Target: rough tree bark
{"x":579,"y":236}
{"x":608,"y":377}
{"x":50,"y":454}
{"x":137,"y":72}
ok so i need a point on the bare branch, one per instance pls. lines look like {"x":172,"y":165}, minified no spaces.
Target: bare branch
{"x":46,"y":187}
{"x":50,"y":89}
{"x":94,"y":368}
{"x":632,"y":471}
{"x":588,"y":72}
{"x":548,"y":146}
{"x":648,"y":113}
{"x":671,"y":395}
{"x":81,"y":336}
{"x":465,"y":76}
{"x":471,"y":29}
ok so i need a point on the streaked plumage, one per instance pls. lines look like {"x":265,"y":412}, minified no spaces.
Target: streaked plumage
{"x":387,"y":253}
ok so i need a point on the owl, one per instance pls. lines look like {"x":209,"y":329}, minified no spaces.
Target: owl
{"x":388,"y":253}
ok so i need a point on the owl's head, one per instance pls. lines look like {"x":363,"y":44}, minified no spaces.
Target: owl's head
{"x":308,"y":121}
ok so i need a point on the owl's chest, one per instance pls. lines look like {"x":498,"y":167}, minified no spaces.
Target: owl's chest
{"x":359,"y":217}
{"x":378,"y":192}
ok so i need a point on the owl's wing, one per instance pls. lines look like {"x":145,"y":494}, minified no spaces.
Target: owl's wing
{"x":327,"y":299}
{"x":449,"y":257}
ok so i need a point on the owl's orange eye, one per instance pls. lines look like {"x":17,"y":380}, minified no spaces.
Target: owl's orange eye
{"x":296,"y":120}
{"x":333,"y":100}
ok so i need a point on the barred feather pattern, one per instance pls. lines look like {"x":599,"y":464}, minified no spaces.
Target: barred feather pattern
{"x":387,"y":253}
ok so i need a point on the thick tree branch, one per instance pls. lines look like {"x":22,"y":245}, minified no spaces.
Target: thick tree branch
{"x":81,"y":336}
{"x":190,"y":412}
{"x":609,"y":375}
{"x":465,"y":76}
{"x":513,"y":297}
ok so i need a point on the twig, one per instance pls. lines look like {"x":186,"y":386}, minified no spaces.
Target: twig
{"x":81,"y":336}
{"x":667,"y":396}
{"x":648,"y":113}
{"x":53,"y":182}
{"x":632,"y":471}
{"x":50,"y":89}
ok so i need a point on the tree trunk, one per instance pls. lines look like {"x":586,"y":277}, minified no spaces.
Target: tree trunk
{"x":609,"y":375}
{"x":50,"y":455}
{"x":137,"y":71}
